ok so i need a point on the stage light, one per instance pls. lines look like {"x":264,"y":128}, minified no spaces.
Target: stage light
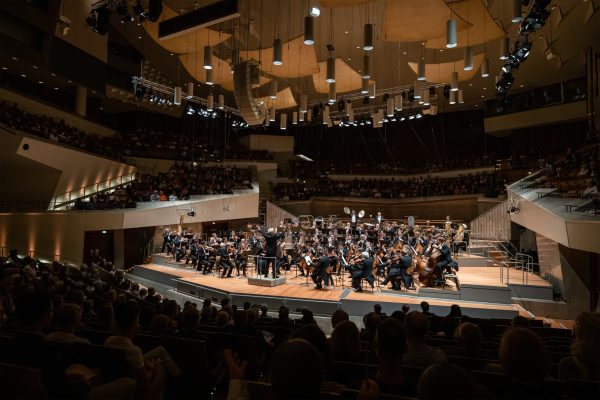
{"x":365,"y":86}
{"x":272,"y":114}
{"x":177,"y":95}
{"x":426,"y":96}
{"x":417,"y":89}
{"x":332,"y":93}
{"x":461,"y":98}
{"x":221,"y":102}
{"x":273,"y":89}
{"x":283,"y":121}
{"x":303,"y":103}
{"x":372,"y":91}
{"x":210,"y":101}
{"x":209,"y":77}
{"x":295,"y":118}
{"x":390,"y":107}
{"x":190,"y":90}
{"x":314,"y":8}
{"x":452,"y":98}
{"x":398,"y":99}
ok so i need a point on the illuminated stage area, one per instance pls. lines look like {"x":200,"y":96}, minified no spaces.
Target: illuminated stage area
{"x":481,"y":292}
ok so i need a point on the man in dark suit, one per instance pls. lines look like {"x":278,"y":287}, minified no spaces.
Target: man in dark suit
{"x":271,"y":238}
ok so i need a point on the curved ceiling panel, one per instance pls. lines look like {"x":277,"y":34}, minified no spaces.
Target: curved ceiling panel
{"x":440,"y":73}
{"x":346,"y":79}
{"x":298,"y":59}
{"x":483,"y":28}
{"x":344,"y":3}
{"x":285,"y":99}
{"x":412,"y":21}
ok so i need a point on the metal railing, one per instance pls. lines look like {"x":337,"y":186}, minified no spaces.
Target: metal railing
{"x":61,"y":201}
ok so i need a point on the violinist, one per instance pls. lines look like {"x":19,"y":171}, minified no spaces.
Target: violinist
{"x":224,"y":261}
{"x":241,"y":260}
{"x":364,"y":270}
{"x":320,"y":271}
{"x":394,"y":272}
{"x":203,"y":258}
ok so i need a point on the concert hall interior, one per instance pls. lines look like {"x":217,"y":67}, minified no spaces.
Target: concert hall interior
{"x":307,"y":199}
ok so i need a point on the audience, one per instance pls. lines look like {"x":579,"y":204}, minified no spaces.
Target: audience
{"x":418,"y":353}
{"x":397,"y":348}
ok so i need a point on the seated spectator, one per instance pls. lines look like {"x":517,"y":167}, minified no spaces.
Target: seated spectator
{"x":223,"y":320}
{"x":399,"y":316}
{"x":159,"y":325}
{"x":68,"y":318}
{"x":32,"y":349}
{"x":425,"y":309}
{"x":377,"y":310}
{"x":307,"y":317}
{"x":296,"y":372}
{"x":445,"y":381}
{"x":390,"y":346}
{"x":418,"y":354}
{"x":284,"y":318}
{"x":371,"y":321}
{"x":470,"y":340}
{"x":584,"y":361}
{"x":264,"y":318}
{"x":519,"y":321}
{"x":150,"y":369}
{"x":314,"y":335}
{"x":345,"y":342}
{"x":338,"y":316}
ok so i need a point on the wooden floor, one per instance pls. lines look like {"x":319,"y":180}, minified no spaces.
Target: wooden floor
{"x":490,"y":276}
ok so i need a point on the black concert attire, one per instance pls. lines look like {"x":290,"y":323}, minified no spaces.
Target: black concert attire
{"x":225,"y":262}
{"x":320,"y":271}
{"x":365,"y":271}
{"x":405,"y":264}
{"x":166,"y":241}
{"x":271,"y":239}
{"x":203,"y":260}
{"x":241,"y":262}
{"x":393,"y":274}
{"x":446,"y":263}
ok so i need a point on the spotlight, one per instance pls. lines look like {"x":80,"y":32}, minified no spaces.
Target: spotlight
{"x":314,"y":9}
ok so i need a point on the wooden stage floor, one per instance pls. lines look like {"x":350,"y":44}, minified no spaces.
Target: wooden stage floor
{"x":296,"y":288}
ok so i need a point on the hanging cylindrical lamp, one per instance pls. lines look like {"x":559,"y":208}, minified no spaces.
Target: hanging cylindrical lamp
{"x":417,"y":89}
{"x":277,"y":52}
{"x":301,"y":116}
{"x":273,"y":89}
{"x":272,"y":114}
{"x":267,"y":121}
{"x":398,"y":99}
{"x":461,"y":98}
{"x":372,"y":91}
{"x":485,"y":67}
{"x":348,"y":107}
{"x":177,"y":95}
{"x":365,"y":86}
{"x":389,"y":107}
{"x":283,"y":121}
{"x":426,"y":97}
{"x":210,"y":103}
{"x":209,"y":77}
{"x":451,"y":35}
{"x":421,"y":70}
{"x":454,"y":81}
{"x":221,"y":102}
{"x":207,"y":57}
{"x":366,"y":71}
{"x":309,"y":31}
{"x":325,"y":115}
{"x":368,"y":37}
{"x":303,"y":103}
{"x":351,"y":117}
{"x":468,"y":58}
{"x":504,"y":48}
{"x":309,"y":115}
{"x":516,"y":11}
{"x":332,"y":93}
{"x":295,"y":118}
{"x":330,"y":70}
{"x":452,"y":99}
{"x":190,"y":90}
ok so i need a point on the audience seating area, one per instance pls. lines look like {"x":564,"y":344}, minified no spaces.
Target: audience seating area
{"x":141,"y":142}
{"x":490,"y":184}
{"x":197,"y":338}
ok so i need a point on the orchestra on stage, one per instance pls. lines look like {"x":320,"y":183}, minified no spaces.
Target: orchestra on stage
{"x":366,"y":254}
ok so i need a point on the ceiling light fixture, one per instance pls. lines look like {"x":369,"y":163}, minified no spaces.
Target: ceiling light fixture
{"x":426,"y":97}
{"x":468,"y":58}
{"x":365,"y":86}
{"x":332,"y":93}
{"x":314,"y":9}
{"x":207,"y":57}
{"x":461,"y":98}
{"x":210,"y":103}
{"x":504,"y":48}
{"x":417,"y":89}
{"x":309,"y":31}
{"x":368,"y":38}
{"x":516,"y":11}
{"x":366,"y":72}
{"x":303,"y":103}
{"x":451,"y":36}
{"x":372,"y":91}
{"x":454,"y":81}
{"x":452,"y":99}
{"x":273,"y":89}
{"x":283,"y":121}
{"x":330,"y":69}
{"x":209,"y":77}
{"x":277,"y":52}
{"x":485,"y":67}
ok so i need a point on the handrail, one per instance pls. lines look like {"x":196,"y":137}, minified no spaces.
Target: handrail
{"x":96,"y":188}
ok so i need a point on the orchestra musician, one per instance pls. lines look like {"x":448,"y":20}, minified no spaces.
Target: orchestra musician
{"x":378,"y":218}
{"x":364,"y":270}
{"x":446,"y":263}
{"x":405,"y":262}
{"x":320,"y":271}
{"x":166,"y":240}
{"x":241,"y":259}
{"x":225,"y":262}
